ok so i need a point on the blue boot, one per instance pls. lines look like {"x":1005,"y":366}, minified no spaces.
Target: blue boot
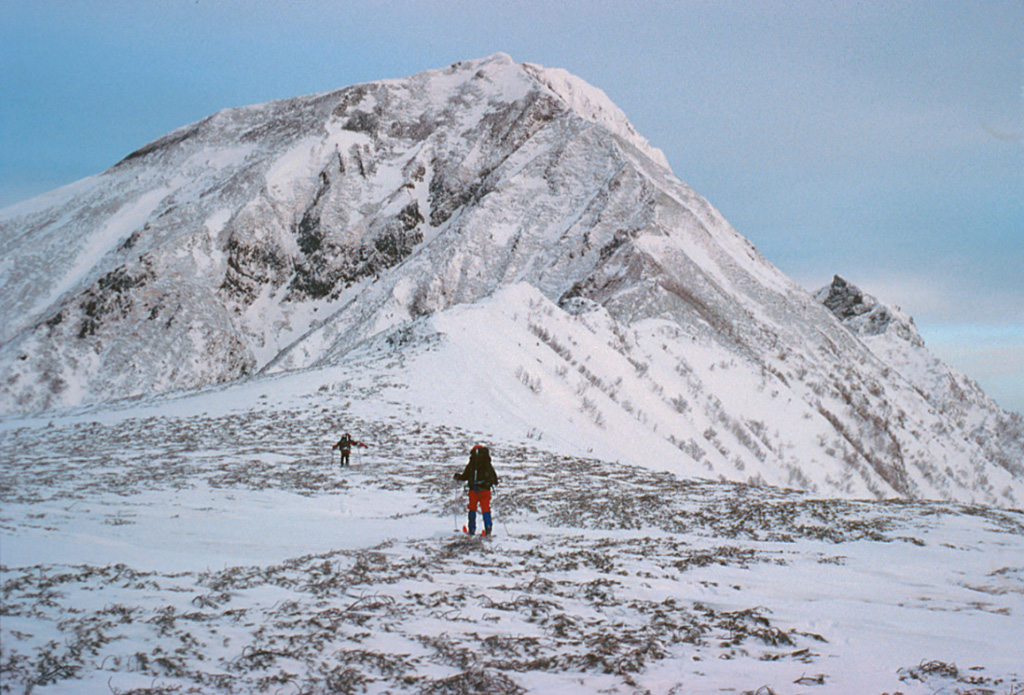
{"x":472,"y":524}
{"x":487,"y":523}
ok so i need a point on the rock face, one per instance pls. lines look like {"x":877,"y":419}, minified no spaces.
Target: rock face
{"x":862,"y":314}
{"x":283,"y":236}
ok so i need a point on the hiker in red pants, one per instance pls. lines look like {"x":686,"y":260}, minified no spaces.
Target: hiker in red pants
{"x":345,"y":444}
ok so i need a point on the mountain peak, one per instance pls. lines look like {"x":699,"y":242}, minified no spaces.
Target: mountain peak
{"x":306,"y":233}
{"x":594,"y":105}
{"x":579,"y":96}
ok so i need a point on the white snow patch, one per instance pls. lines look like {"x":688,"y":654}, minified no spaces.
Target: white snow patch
{"x":292,"y":170}
{"x":594,"y":105}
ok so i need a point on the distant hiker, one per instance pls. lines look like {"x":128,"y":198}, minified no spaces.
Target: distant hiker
{"x":345,"y":444}
{"x":480,"y":477}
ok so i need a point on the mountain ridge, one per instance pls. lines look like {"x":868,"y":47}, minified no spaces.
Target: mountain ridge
{"x":302,"y":233}
{"x":892,"y":336}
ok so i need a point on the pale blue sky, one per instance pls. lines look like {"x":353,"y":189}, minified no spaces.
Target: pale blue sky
{"x":883,"y":141}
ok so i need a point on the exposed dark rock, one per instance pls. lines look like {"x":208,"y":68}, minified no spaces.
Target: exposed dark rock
{"x":250,"y":267}
{"x":166,"y":142}
{"x":111,"y":297}
{"x":847,"y":302}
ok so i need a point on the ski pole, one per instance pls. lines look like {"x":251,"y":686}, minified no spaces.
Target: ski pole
{"x":504,"y":528}
{"x":455,"y":510}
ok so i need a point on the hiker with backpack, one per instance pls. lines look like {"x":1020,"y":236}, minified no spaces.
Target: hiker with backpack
{"x":345,"y":444}
{"x":480,"y":477}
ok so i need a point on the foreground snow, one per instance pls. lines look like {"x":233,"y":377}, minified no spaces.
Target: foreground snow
{"x":209,"y":544}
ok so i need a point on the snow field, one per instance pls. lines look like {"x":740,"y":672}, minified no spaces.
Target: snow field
{"x":199,"y":544}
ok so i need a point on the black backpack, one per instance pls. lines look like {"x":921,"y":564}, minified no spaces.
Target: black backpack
{"x":485,"y":471}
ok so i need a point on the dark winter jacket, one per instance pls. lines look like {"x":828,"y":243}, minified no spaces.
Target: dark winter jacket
{"x":346,"y":443}
{"x":479,"y":472}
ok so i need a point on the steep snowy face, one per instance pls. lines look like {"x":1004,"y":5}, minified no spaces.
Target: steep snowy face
{"x":203,"y":254}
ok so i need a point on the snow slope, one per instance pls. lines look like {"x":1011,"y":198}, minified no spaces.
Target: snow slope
{"x":210,"y":543}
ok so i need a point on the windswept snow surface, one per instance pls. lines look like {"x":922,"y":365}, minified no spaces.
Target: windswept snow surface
{"x":211,"y":543}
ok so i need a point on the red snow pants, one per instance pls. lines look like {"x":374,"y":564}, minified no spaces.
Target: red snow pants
{"x":481,"y":499}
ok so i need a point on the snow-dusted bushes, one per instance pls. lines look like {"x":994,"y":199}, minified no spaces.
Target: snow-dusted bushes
{"x":529,"y":381}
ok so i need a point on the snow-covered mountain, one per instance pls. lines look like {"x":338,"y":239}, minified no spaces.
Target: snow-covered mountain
{"x":487,"y":253}
{"x":494,"y":231}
